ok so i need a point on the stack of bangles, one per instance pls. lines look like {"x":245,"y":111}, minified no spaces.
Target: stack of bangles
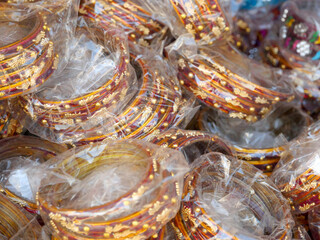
{"x":264,"y":158}
{"x":26,"y":147}
{"x":133,"y":18}
{"x":192,"y":143}
{"x":138,"y":214}
{"x":28,"y":62}
{"x":152,"y":109}
{"x":299,"y":36}
{"x":204,"y":19}
{"x":215,"y":178}
{"x":13,"y":220}
{"x":297,"y":174}
{"x":214,"y":84}
{"x":9,"y":126}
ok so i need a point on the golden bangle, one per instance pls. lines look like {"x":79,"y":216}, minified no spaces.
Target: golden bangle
{"x":136,"y":21}
{"x":87,"y":223}
{"x":193,"y":221}
{"x":30,"y":147}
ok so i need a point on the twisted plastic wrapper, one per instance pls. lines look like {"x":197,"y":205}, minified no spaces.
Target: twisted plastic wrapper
{"x":129,"y":15}
{"x":204,"y":19}
{"x":297,"y":174}
{"x":192,"y":144}
{"x":34,"y":45}
{"x":16,"y":223}
{"x":124,"y":189}
{"x":262,"y":143}
{"x":224,"y":198}
{"x":224,"y":80}
{"x":102,"y":95}
{"x":20,"y":163}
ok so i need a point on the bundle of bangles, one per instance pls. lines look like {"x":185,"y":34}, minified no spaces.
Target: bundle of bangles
{"x":159,"y":119}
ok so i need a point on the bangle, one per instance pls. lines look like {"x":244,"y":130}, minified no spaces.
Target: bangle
{"x":136,"y":21}
{"x":265,"y":157}
{"x":103,"y":221}
{"x":9,"y":126}
{"x":14,"y":219}
{"x":227,"y":91}
{"x":18,"y":75}
{"x":299,"y":37}
{"x":184,"y":140}
{"x":31,"y":148}
{"x":258,"y":197}
{"x":313,"y":221}
{"x":271,"y":55}
{"x":205,"y":20}
{"x":153,"y":110}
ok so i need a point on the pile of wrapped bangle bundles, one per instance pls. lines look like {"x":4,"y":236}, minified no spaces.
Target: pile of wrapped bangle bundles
{"x":159,"y":120}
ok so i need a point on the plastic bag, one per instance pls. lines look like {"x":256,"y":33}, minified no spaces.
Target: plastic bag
{"x":100,"y":95}
{"x":261,"y":143}
{"x":229,"y":199}
{"x":35,"y":47}
{"x":20,"y":163}
{"x":297,"y":173}
{"x":140,"y":194}
{"x":225,"y":80}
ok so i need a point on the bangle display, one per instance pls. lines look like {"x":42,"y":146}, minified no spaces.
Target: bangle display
{"x":221,"y":177}
{"x":192,"y":143}
{"x":136,"y":21}
{"x":28,"y":62}
{"x":159,"y":202}
{"x":26,"y":147}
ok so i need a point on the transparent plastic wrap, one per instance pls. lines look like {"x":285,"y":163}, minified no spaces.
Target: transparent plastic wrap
{"x":247,"y":5}
{"x":102,"y":95}
{"x":16,"y":223}
{"x":297,"y":174}
{"x":20,"y":160}
{"x":262,"y":143}
{"x":299,"y":37}
{"x":223,"y":79}
{"x":140,"y":195}
{"x":224,"y":198}
{"x":192,"y":144}
{"x":136,"y":21}
{"x":204,"y":19}
{"x":9,"y":125}
{"x":34,"y":43}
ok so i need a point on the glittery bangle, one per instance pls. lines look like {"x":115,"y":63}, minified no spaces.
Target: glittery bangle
{"x":136,"y":21}
{"x":193,"y":221}
{"x":87,"y":223}
{"x":204,"y":19}
{"x":30,"y":147}
{"x":227,"y":91}
{"x":13,"y":220}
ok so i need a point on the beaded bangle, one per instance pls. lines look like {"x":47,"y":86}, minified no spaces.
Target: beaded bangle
{"x":18,"y":75}
{"x":193,"y":220}
{"x":204,"y":19}
{"x":31,"y":147}
{"x":300,"y":39}
{"x":264,"y":159}
{"x":136,"y":21}
{"x":93,"y":222}
{"x":14,"y":220}
{"x":215,"y":85}
{"x":183,"y":140}
{"x":153,"y":109}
